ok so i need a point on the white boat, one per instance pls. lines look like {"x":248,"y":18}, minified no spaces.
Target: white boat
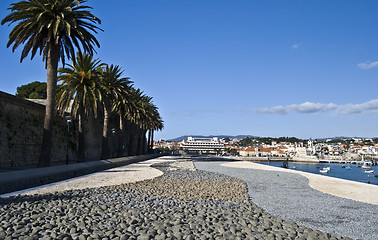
{"x":348,"y":167}
{"x":369,"y":171}
{"x":366,"y":167}
{"x":324,"y":170}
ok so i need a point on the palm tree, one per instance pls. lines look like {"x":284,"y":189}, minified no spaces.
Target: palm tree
{"x":134,"y":117}
{"x":114,"y":87}
{"x":54,"y":28}
{"x":147,"y":118}
{"x":124,"y":106}
{"x":156,"y":123}
{"x":80,"y":91}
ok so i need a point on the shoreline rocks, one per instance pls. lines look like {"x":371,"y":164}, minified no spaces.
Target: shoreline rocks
{"x":180,"y":204}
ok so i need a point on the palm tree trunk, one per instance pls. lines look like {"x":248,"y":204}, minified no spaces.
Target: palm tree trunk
{"x":131,"y":144}
{"x":144,"y":142}
{"x":81,"y":140}
{"x":121,"y":136}
{"x":141,"y":141}
{"x":127,"y":137}
{"x":105,"y":138}
{"x":152,"y":140}
{"x":135,"y":138}
{"x":137,"y":145}
{"x":149,"y":142}
{"x":52,"y":69}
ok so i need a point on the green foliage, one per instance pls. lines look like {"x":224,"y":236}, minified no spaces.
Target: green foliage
{"x":232,"y":151}
{"x":267,"y":140}
{"x":80,"y":82}
{"x":246,"y":141}
{"x":42,"y":24}
{"x":34,"y":90}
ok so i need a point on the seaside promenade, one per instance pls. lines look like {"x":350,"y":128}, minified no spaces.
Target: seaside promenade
{"x":320,"y":202}
{"x":122,"y":200}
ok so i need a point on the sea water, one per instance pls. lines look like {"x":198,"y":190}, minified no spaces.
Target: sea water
{"x":355,"y":173}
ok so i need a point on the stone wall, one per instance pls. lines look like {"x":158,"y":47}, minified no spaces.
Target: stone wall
{"x":21,"y":129}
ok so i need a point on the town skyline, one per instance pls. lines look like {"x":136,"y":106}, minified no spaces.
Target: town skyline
{"x":242,"y":136}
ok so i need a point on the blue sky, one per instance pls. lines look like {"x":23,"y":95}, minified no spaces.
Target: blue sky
{"x":265,"y":68}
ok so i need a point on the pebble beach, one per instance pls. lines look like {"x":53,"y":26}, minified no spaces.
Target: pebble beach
{"x":183,"y":203}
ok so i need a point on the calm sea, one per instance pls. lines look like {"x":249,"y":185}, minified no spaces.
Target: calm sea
{"x":355,"y":173}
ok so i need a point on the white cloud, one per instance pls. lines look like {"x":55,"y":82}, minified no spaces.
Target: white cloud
{"x":274,"y":110}
{"x":295,"y":46}
{"x":366,"y":107}
{"x":309,"y":107}
{"x":368,"y":65}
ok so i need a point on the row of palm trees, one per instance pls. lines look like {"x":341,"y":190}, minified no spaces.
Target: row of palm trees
{"x":87,"y":86}
{"x":57,"y":29}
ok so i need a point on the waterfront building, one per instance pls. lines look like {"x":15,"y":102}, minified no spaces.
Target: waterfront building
{"x":210,"y":145}
{"x":248,"y":152}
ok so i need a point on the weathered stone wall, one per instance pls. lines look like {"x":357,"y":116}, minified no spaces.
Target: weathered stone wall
{"x":21,"y":129}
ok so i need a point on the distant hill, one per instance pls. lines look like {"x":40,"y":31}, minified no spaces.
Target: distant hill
{"x":336,"y":138}
{"x":179,"y":139}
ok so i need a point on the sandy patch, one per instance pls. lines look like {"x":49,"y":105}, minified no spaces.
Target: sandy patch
{"x":361,"y":192}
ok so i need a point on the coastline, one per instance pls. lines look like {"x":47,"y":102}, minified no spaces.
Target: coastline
{"x":287,"y":194}
{"x":278,"y":204}
{"x":183,"y":203}
{"x":357,"y":191}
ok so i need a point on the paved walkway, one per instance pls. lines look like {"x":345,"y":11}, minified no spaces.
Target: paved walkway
{"x":115,"y":176}
{"x":288,"y":195}
{"x":357,"y":191}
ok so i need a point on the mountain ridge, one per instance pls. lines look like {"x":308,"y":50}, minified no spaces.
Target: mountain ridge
{"x":185,"y":137}
{"x":179,"y":139}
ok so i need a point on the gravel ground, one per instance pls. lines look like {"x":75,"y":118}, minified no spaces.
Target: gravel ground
{"x":180,"y":204}
{"x":288,"y":196}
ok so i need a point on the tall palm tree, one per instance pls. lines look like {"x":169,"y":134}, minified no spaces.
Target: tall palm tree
{"x":147,"y":118}
{"x":80,"y":91}
{"x":114,"y":88}
{"x":135,"y":118}
{"x":56,"y":28}
{"x":124,"y":106}
{"x":156,"y":123}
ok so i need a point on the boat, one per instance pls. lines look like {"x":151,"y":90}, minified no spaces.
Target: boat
{"x":324,"y":170}
{"x":348,"y":167}
{"x":366,"y":164}
{"x":369,"y":171}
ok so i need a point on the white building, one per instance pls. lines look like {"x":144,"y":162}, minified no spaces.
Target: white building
{"x":210,"y":145}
